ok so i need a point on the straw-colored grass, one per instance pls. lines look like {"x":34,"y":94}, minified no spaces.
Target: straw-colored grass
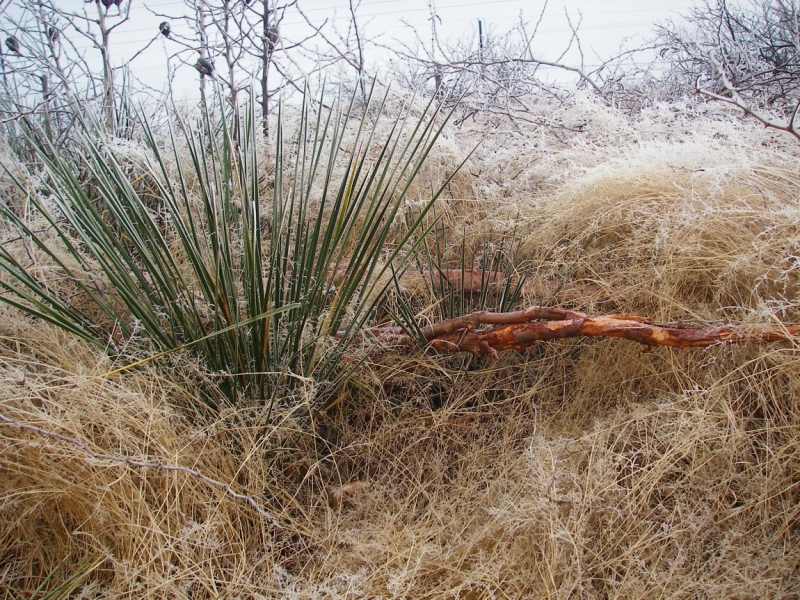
{"x":579,"y":469}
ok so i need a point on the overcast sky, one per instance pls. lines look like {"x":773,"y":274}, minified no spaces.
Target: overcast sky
{"x":605,"y":26}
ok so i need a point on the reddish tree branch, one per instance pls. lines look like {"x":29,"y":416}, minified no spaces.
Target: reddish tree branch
{"x":522,"y":329}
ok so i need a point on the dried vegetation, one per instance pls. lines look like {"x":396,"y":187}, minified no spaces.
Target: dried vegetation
{"x":582,"y":468}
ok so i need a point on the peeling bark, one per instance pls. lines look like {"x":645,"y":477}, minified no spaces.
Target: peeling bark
{"x":522,"y":329}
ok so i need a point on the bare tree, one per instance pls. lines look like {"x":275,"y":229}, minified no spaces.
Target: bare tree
{"x":40,"y":75}
{"x":246,"y":35}
{"x":50,"y":64}
{"x":743,"y":54}
{"x":501,"y":74}
{"x":98,"y":31}
{"x":229,"y":20}
{"x":347,"y":47}
{"x":270,"y":22}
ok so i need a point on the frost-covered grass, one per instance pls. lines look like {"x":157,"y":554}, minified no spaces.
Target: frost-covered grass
{"x":582,"y":468}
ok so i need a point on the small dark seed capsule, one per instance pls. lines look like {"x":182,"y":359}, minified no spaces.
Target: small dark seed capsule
{"x":13,"y":44}
{"x":204,"y":66}
{"x":272,"y":36}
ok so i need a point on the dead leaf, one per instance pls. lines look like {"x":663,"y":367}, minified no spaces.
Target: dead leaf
{"x":343,"y":495}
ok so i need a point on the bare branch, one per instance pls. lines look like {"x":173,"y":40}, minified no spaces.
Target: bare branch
{"x":744,"y":54}
{"x":522,"y":329}
{"x":158,"y":465}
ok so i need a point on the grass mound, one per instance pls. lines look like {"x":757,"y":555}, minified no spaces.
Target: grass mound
{"x":583,"y":468}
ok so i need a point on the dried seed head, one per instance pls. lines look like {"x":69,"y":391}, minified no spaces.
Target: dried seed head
{"x":204,"y":66}
{"x":13,"y":44}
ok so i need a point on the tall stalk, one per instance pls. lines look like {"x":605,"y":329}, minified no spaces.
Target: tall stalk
{"x":267,"y":47}
{"x":108,"y":74}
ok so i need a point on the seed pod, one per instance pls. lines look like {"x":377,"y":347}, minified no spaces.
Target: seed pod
{"x":204,"y":66}
{"x":13,"y":44}
{"x":107,"y":3}
{"x":164,"y":28}
{"x":272,"y":36}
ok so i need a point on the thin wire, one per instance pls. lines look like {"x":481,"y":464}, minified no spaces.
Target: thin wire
{"x":454,"y":6}
{"x":541,"y":31}
{"x":426,"y":9}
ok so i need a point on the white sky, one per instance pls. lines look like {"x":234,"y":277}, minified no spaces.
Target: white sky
{"x":606,"y":24}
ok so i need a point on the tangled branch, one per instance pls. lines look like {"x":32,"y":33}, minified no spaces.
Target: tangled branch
{"x":144,"y":465}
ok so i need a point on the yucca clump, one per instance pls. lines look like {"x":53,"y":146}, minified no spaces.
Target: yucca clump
{"x":267,"y":278}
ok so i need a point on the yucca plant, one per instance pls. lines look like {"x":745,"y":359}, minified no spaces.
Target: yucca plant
{"x":268,"y":281}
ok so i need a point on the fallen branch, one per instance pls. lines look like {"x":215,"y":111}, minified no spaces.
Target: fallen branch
{"x":522,"y":329}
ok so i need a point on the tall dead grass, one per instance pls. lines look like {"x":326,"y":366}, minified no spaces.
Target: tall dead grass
{"x":582,"y":469}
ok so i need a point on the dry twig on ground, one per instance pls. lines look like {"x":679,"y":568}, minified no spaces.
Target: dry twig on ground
{"x":125,"y":460}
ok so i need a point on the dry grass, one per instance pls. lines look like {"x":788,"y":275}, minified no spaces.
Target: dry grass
{"x":582,"y":469}
{"x":584,"y":486}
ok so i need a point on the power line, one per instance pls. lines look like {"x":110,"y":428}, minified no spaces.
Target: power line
{"x":540,"y":32}
{"x":448,"y":7}
{"x":522,"y":3}
{"x":543,"y":67}
{"x":291,"y":23}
